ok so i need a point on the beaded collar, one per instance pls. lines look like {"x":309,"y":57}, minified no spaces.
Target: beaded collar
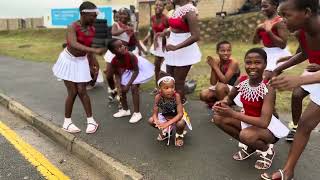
{"x":183,"y":10}
{"x":250,"y":93}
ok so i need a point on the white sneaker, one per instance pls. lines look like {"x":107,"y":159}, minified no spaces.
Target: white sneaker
{"x":122,"y":113}
{"x":135,"y":117}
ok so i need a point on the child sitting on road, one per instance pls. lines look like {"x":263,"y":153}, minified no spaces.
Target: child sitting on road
{"x":168,"y":111}
{"x":130,"y":71}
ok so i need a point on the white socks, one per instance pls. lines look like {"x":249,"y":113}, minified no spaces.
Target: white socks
{"x":91,"y":120}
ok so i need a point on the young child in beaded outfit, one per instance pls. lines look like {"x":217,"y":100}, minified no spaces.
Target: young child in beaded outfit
{"x":168,"y":111}
{"x":256,"y":127}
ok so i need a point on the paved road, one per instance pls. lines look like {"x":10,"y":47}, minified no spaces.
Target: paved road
{"x":13,"y":163}
{"x":207,"y":151}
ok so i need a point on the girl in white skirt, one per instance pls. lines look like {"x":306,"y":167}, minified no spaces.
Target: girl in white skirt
{"x":168,"y":112}
{"x":159,"y":23}
{"x":255,"y":127}
{"x":123,"y":31}
{"x":273,"y":35}
{"x":130,"y":71}
{"x":182,"y":49}
{"x":73,"y":67}
{"x":301,"y":16}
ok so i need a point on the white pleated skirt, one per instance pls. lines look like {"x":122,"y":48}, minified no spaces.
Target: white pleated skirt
{"x":146,"y":72}
{"x":312,"y":89}
{"x":273,"y":55}
{"x":157,"y":51}
{"x":71,"y":68}
{"x":182,"y":57}
{"x":278,"y":129}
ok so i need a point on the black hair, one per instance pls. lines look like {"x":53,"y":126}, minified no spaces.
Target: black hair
{"x":220,"y":43}
{"x":304,"y":4}
{"x":125,"y":10}
{"x":87,"y":5}
{"x":275,"y":2}
{"x":110,"y":45}
{"x":114,"y":11}
{"x":260,"y":51}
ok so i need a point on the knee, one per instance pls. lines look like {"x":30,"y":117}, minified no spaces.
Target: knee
{"x":203,"y":95}
{"x":305,"y":126}
{"x":181,"y":124}
{"x":218,"y":120}
{"x":297,"y":94}
{"x":73,"y":93}
{"x":82,"y":92}
{"x":151,"y":121}
{"x":247,"y":136}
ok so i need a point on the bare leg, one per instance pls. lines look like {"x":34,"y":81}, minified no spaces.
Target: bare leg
{"x":228,"y":125}
{"x":123,"y":100}
{"x":135,"y":97}
{"x":221,"y":90}
{"x":85,"y":99}
{"x":309,"y":120}
{"x":296,"y":103}
{"x":157,"y":63}
{"x":72,"y":94}
{"x":109,"y":76}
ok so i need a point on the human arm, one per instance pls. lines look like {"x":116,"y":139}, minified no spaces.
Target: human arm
{"x":225,"y":78}
{"x":156,"y":110}
{"x":116,"y":31}
{"x":176,"y":118}
{"x":287,"y":83}
{"x":256,"y":37}
{"x":134,"y":62}
{"x":266,"y":112}
{"x":228,"y":100}
{"x":279,"y":40}
{"x":192,"y":21}
{"x":94,"y":65}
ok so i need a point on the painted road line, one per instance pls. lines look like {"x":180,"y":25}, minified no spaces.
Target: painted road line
{"x":42,"y":164}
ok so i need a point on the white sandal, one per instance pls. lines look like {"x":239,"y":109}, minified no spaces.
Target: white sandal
{"x":92,"y":127}
{"x":265,"y":162}
{"x":71,"y":128}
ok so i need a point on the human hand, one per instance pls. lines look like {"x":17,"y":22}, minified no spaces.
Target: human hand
{"x":268,"y":26}
{"x":100,"y":51}
{"x":163,"y":126}
{"x":285,"y":83}
{"x":313,"y":67}
{"x":222,"y":109}
{"x":170,"y":47}
{"x":260,"y":27}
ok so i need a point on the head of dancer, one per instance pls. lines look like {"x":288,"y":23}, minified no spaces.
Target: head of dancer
{"x":269,"y":7}
{"x":124,"y":15}
{"x":88,"y":13}
{"x":224,"y":50}
{"x":255,"y":62}
{"x":117,"y":47}
{"x":159,"y":7}
{"x":169,"y":5}
{"x":166,"y":84}
{"x":298,"y":13}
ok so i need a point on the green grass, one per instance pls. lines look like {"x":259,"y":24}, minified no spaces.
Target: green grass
{"x":44,"y":45}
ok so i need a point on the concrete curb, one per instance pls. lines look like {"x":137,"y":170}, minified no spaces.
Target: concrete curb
{"x":107,"y":165}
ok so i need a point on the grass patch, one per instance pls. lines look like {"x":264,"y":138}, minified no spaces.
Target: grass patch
{"x":44,"y":45}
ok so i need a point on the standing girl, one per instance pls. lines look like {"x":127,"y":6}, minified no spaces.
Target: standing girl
{"x":256,"y":127}
{"x":159,"y":23}
{"x":301,"y":16}
{"x":182,"y":49}
{"x":130,"y":72}
{"x":168,"y":112}
{"x":273,"y":35}
{"x":73,"y":67}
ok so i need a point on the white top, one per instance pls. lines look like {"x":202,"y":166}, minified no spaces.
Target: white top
{"x":123,"y":36}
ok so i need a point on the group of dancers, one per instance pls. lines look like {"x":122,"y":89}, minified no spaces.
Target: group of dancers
{"x":256,"y":126}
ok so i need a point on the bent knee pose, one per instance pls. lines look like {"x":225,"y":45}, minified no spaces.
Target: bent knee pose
{"x":301,"y":16}
{"x":130,"y":71}
{"x":168,"y":112}
{"x":256,"y":127}
{"x":224,"y":73}
{"x":73,"y":65}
